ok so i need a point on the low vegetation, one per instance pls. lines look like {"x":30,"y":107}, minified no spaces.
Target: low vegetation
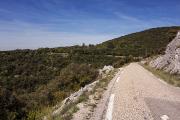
{"x":30,"y":80}
{"x":22,"y":96}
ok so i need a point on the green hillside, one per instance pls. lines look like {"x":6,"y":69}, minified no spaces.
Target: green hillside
{"x":33,"y":79}
{"x":145,"y":43}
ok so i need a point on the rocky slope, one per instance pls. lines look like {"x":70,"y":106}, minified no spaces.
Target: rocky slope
{"x":170,"y":61}
{"x":80,"y":105}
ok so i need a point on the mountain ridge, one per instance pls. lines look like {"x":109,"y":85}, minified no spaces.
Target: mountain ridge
{"x":143,"y":43}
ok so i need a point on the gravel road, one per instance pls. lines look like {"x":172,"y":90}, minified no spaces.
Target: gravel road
{"x":138,"y":95}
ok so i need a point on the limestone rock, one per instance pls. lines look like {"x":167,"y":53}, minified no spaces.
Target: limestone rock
{"x":105,"y":70}
{"x":74,"y":97}
{"x":170,"y":61}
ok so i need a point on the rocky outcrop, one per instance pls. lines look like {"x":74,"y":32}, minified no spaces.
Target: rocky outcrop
{"x":74,"y":97}
{"x":170,"y":61}
{"x":105,"y":70}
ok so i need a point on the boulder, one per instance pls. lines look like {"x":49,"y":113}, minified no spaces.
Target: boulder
{"x":105,"y":70}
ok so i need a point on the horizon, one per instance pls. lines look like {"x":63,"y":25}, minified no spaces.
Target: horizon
{"x":81,"y":44}
{"x":34,"y":24}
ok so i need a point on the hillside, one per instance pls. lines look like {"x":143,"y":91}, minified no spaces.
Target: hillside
{"x":146,"y":43}
{"x":33,"y":79}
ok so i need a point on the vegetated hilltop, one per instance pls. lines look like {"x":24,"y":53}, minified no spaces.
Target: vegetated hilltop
{"x":33,"y":79}
{"x":145,"y":43}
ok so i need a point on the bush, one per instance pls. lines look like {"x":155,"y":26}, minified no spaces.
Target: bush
{"x":11,"y":108}
{"x":75,"y":76}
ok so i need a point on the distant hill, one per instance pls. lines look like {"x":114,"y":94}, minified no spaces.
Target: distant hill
{"x":146,"y":43}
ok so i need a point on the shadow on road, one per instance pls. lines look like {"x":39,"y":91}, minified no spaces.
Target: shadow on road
{"x":160,"y":107}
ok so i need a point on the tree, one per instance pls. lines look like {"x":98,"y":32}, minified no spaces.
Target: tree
{"x":110,"y":45}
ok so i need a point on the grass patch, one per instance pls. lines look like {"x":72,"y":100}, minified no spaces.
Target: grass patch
{"x":69,"y":110}
{"x":105,"y":81}
{"x":172,"y":79}
{"x":83,"y":98}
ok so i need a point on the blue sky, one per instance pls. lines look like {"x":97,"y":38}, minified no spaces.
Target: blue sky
{"x":52,"y":23}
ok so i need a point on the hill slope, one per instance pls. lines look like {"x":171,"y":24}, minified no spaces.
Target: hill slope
{"x":43,"y":77}
{"x":145,"y":43}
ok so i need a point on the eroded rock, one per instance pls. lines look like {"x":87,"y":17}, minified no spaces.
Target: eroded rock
{"x":170,"y":61}
{"x":74,"y":97}
{"x":105,"y":70}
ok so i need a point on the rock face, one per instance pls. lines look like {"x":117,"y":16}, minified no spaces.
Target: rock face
{"x":170,"y":62}
{"x":74,"y":97}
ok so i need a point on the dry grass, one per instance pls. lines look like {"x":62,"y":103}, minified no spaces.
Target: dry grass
{"x":172,"y":79}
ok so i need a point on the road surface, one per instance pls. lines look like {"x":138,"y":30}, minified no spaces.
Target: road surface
{"x":138,"y":95}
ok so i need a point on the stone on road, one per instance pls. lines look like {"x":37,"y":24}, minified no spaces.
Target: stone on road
{"x":164,"y":117}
